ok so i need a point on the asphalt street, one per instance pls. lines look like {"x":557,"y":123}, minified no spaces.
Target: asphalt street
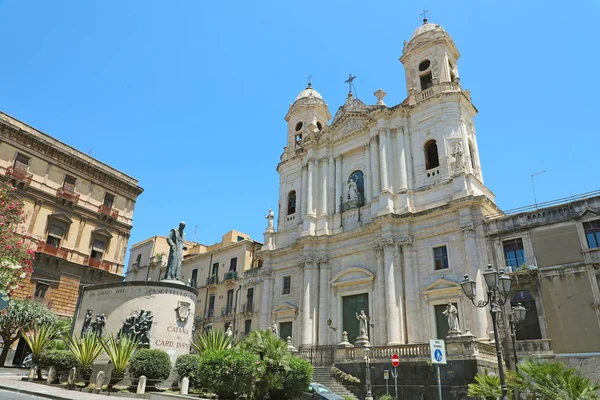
{"x":6,"y":395}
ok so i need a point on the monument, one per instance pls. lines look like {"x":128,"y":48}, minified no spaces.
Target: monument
{"x":158,"y":314}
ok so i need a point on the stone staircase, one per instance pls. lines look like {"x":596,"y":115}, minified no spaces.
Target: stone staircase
{"x":324,"y":376}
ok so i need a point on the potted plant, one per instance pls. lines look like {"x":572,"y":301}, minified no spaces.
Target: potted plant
{"x":86,"y":350}
{"x":120,"y":352}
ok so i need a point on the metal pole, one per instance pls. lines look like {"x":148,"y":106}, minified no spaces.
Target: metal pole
{"x":512,"y":336}
{"x":369,"y":395}
{"x":387,"y":391}
{"x":498,"y":353}
{"x":396,"y":381}
{"x":439,"y":381}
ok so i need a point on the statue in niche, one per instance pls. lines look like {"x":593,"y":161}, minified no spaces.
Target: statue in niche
{"x":457,"y":152}
{"x":87,"y":320}
{"x":452,"y":314}
{"x":352,"y":190}
{"x":270,"y":218}
{"x":98,"y":325}
{"x":177,"y":244}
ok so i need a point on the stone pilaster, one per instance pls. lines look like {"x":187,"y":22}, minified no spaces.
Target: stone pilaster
{"x":380,"y":322}
{"x":309,"y":189}
{"x":324,"y":299}
{"x":395,"y":330}
{"x":338,"y":182}
{"x":36,"y":210}
{"x":376,"y":188}
{"x":309,"y":300}
{"x":324,"y":177}
{"x":368,"y":177}
{"x":267,"y":295}
{"x":473,"y":269}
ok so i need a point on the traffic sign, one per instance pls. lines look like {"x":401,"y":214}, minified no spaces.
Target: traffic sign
{"x":438,"y":351}
{"x":386,"y":374}
{"x":395,"y":360}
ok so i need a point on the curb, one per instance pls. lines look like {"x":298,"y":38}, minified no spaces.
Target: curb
{"x":32,"y":393}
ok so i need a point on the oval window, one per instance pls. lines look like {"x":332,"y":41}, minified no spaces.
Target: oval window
{"x":298,"y":126}
{"x":319,"y":125}
{"x":424,"y":65}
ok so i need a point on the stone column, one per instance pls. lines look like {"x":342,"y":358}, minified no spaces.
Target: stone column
{"x":380,"y":306}
{"x":376,"y":189}
{"x":411,"y":292}
{"x":401,"y":159}
{"x":338,"y":182}
{"x":324,"y":177}
{"x":331,"y":188}
{"x":473,"y":269}
{"x":401,"y":291}
{"x":394,"y":328}
{"x":309,"y":189}
{"x":368,"y":177}
{"x":408,"y":162}
{"x":302,"y":200}
{"x":308,"y":312}
{"x":383,"y":162}
{"x":267,"y":295}
{"x":324,"y":303}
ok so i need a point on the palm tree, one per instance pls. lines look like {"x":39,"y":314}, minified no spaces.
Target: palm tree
{"x":213,"y":340}
{"x":39,"y":340}
{"x":86,"y":349}
{"x":120,"y":352}
{"x":486,"y":387}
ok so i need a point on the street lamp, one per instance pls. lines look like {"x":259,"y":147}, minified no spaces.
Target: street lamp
{"x":499,"y":287}
{"x":516,"y":315}
{"x":369,"y":395}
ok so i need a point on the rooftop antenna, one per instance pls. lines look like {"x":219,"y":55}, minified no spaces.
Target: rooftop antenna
{"x":533,"y":186}
{"x":350,"y":83}
{"x":309,"y":80}
{"x":195,"y":232}
{"x":89,"y":152}
{"x":424,"y":15}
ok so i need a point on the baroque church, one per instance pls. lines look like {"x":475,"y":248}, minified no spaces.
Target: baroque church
{"x":380,"y":210}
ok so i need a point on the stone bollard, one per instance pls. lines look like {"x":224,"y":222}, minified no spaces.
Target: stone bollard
{"x":100,"y":380}
{"x":185,"y":385}
{"x":71,"y":378}
{"x":51,"y":375}
{"x":141,"y":387}
{"x":32,"y":373}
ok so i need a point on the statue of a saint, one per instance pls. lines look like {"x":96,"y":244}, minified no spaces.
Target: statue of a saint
{"x":229,"y":332}
{"x":87,"y":320}
{"x":176,"y":241}
{"x":273,"y":328}
{"x":352,"y":191}
{"x":458,"y":155}
{"x":98,"y":324}
{"x":363,"y":323}
{"x":452,"y":314}
{"x":270,"y":218}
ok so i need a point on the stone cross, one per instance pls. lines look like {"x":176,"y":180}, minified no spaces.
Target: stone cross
{"x":71,"y":378}
{"x":141,"y":387}
{"x":51,"y":375}
{"x":424,"y":15}
{"x":185,"y":385}
{"x":100,"y":380}
{"x":349,"y":82}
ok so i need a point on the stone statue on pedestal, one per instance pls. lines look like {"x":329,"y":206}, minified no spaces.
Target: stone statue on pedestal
{"x":363,"y":329}
{"x":457,"y":152}
{"x":352,"y":191}
{"x":452,"y":314}
{"x":270,"y":218}
{"x":176,"y":242}
{"x":273,"y":328}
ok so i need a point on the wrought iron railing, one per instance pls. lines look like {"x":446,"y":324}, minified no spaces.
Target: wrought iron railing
{"x":108,"y":211}
{"x":230,"y":275}
{"x":19,"y":174}
{"x":67,"y":194}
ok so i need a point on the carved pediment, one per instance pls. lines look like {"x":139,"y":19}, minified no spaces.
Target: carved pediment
{"x":286,"y":309}
{"x":353,"y":276}
{"x":442,"y":286}
{"x":102,"y":232}
{"x":589,"y":211}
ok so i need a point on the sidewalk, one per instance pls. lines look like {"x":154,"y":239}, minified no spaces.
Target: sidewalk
{"x":15,"y":384}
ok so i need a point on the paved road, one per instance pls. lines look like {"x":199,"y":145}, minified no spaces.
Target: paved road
{"x":6,"y":395}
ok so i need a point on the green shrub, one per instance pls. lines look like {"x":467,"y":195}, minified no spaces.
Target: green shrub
{"x":188,"y":365}
{"x":62,"y":360}
{"x":153,"y":363}
{"x":295,"y":381}
{"x":385,"y":397}
{"x":229,"y":373}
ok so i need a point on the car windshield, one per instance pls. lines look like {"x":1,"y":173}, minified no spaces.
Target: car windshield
{"x":322,"y":389}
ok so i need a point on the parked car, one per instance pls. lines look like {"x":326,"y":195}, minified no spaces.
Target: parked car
{"x":27,"y":361}
{"x":316,"y":391}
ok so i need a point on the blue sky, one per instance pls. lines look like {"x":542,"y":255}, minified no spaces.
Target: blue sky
{"x":189,"y":96}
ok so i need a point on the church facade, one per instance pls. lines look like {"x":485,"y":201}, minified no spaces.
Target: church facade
{"x":380,"y":210}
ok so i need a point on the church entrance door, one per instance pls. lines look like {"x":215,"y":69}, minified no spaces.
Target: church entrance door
{"x":352,"y":306}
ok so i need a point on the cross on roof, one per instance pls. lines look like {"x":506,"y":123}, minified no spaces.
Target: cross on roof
{"x":424,"y":15}
{"x":349,"y":82}
{"x":309,"y":78}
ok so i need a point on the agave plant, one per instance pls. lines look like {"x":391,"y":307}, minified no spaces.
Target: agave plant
{"x":86,"y":349}
{"x":213,"y":340}
{"x":39,"y":339}
{"x":120,"y":352}
{"x":486,"y":387}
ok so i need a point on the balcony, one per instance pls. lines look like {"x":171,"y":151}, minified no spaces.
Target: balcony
{"x":252,"y":272}
{"x":225,"y":311}
{"x":443,"y":87}
{"x":230,"y":276}
{"x":20,"y":174}
{"x":591,"y":256}
{"x":102,"y":265}
{"x":67,"y":194}
{"x":248,"y":308}
{"x":538,"y":347}
{"x":107,"y":212}
{"x":46,"y":248}
{"x":211,"y":281}
{"x":209,"y":314}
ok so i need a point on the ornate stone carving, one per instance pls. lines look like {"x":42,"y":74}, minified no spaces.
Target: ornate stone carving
{"x":404,"y":241}
{"x":307,"y":259}
{"x":380,"y":94}
{"x":351,"y":126}
{"x":374,"y":138}
{"x":183,"y":311}
{"x":467,"y":228}
{"x":323,"y":259}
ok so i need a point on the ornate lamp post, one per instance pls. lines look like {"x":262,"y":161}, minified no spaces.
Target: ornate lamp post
{"x":369,"y":395}
{"x":498,"y":289}
{"x":516,"y":315}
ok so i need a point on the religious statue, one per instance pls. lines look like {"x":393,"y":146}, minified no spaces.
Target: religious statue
{"x":363,"y":322}
{"x":458,"y":155}
{"x":98,"y":325}
{"x":273,"y":328}
{"x":352,"y":190}
{"x":229,"y":332}
{"x":137,"y":326}
{"x":452,"y":314}
{"x":176,"y":242}
{"x":87,"y":320}
{"x":270,"y":218}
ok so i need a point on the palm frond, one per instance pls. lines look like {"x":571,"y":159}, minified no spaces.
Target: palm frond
{"x":213,"y":340}
{"x":86,"y":349}
{"x":120,"y":352}
{"x":40,"y":337}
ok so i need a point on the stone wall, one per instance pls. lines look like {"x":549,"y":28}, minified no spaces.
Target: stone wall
{"x":588,"y":364}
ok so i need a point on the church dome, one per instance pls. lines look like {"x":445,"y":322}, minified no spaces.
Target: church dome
{"x":307,"y":93}
{"x":426,"y":27}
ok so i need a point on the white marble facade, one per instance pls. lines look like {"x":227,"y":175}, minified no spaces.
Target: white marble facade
{"x":332,"y":244}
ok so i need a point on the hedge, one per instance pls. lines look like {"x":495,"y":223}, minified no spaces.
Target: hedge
{"x":188,"y":365}
{"x":154,"y":364}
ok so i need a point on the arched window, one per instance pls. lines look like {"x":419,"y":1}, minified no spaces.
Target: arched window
{"x":529,"y":329}
{"x":431,"y":155}
{"x":358,"y":185}
{"x":472,"y":155}
{"x":291,"y":208}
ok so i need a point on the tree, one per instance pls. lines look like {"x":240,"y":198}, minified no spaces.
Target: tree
{"x":486,"y":387}
{"x":21,"y":315}
{"x":16,"y":255}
